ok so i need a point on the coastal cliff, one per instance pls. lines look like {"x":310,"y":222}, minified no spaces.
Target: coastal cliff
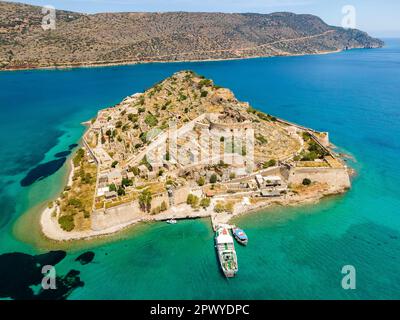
{"x":123,"y":38}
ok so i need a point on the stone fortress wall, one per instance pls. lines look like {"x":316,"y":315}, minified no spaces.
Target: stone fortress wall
{"x":113,"y":217}
{"x":337,"y":177}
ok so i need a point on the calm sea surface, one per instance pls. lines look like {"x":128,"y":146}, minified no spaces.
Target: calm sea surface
{"x":292,"y":253}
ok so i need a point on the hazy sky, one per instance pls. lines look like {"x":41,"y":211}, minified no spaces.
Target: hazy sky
{"x":380,"y":18}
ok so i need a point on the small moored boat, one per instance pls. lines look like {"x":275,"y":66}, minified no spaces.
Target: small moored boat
{"x":171,"y":221}
{"x":240,"y":235}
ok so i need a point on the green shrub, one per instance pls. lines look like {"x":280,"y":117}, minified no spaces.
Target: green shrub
{"x":133,"y":117}
{"x":263,"y":116}
{"x":201,"y":181}
{"x":205,"y":82}
{"x":67,"y":223}
{"x":145,"y":200}
{"x":142,"y":137}
{"x":75,"y":202}
{"x":127,"y":182}
{"x":205,"y":202}
{"x":310,"y":156}
{"x":182,"y":97}
{"x":192,"y":200}
{"x":121,"y":191}
{"x":306,"y":181}
{"x":135,"y":171}
{"x":270,"y":163}
{"x":219,"y":207}
{"x":203,"y":94}
{"x":261,"y":139}
{"x":151,"y":120}
{"x":306,"y":136}
{"x":229,"y":207}
{"x":78,"y":157}
{"x":213,"y":178}
{"x":251,"y":110}
{"x":114,"y":164}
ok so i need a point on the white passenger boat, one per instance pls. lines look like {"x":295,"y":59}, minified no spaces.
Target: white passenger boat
{"x":226,"y":251}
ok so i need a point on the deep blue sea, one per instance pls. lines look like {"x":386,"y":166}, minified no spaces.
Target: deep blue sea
{"x":293,"y":253}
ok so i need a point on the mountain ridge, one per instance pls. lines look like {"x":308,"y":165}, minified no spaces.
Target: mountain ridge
{"x":136,"y":37}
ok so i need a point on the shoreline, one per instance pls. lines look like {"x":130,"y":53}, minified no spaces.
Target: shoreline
{"x":51,"y":230}
{"x":132,"y":63}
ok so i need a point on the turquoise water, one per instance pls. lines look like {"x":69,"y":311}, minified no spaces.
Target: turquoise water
{"x":293,"y":253}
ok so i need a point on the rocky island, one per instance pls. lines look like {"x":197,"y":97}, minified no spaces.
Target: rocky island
{"x":187,"y":148}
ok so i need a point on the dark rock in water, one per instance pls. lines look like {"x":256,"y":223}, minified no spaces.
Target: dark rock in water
{"x":20,"y":271}
{"x":62,"y":154}
{"x":50,"y":258}
{"x":72,"y":146}
{"x":42,"y":171}
{"x":65,"y":286}
{"x":86,"y":257}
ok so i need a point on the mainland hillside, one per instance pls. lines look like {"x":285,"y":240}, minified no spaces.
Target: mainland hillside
{"x":115,"y":38}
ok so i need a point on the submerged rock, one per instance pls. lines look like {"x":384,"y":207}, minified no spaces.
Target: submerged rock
{"x":21,"y":272}
{"x":86,"y":257}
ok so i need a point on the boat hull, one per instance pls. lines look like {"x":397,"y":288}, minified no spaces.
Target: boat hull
{"x":226,"y":253}
{"x":242,"y":242}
